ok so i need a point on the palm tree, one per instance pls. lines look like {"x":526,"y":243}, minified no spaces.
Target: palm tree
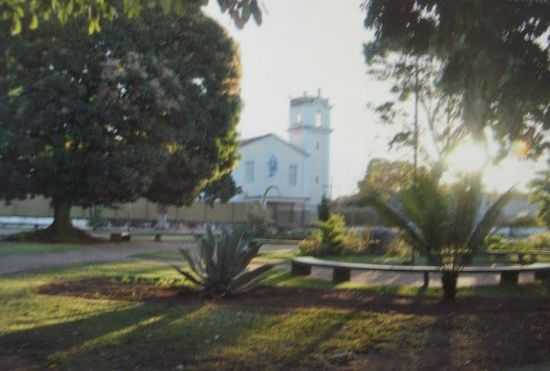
{"x":444,"y":223}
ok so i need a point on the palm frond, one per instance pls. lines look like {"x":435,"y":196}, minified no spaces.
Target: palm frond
{"x":247,"y":279}
{"x":395,"y":218}
{"x":189,"y":276}
{"x":487,"y":222}
{"x":193,"y":263}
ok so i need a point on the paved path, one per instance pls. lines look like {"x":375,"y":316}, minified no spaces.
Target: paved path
{"x":415,"y":279}
{"x":113,"y":252}
{"x":89,"y":253}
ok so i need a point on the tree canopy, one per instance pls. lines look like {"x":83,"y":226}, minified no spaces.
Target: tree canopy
{"x":495,"y":55}
{"x":436,"y":128}
{"x":144,"y":108}
{"x":23,"y":14}
{"x":386,"y":178}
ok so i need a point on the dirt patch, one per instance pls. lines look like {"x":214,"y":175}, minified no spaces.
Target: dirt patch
{"x":293,"y":298}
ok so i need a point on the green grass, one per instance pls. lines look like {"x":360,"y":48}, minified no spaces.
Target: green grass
{"x":69,"y":333}
{"x":264,"y":257}
{"x":23,"y":248}
{"x":372,"y":259}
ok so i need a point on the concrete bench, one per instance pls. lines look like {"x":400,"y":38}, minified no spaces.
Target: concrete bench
{"x":341,"y":271}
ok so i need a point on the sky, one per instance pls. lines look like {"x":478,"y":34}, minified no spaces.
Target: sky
{"x":306,"y":45}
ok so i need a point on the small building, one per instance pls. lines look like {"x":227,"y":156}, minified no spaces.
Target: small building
{"x":289,"y":175}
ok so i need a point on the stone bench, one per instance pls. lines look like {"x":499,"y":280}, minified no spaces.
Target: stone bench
{"x":341,"y":271}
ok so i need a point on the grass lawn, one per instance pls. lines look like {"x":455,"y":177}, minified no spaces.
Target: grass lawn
{"x":268,"y":255}
{"x":22,"y":248}
{"x":340,"y":328}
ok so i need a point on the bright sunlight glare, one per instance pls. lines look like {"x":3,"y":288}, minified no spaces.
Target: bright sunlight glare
{"x":513,"y":170}
{"x":468,"y":157}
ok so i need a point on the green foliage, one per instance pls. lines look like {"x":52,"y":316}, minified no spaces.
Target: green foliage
{"x":493,"y":55}
{"x":323,"y":210}
{"x":386,"y":178}
{"x":332,"y":238}
{"x":146,"y":108}
{"x":540,"y":194}
{"x":333,"y":232}
{"x":312,"y":246}
{"x":219,"y":265}
{"x":23,"y":15}
{"x":532,"y":243}
{"x":442,"y":222}
{"x":221,"y":189}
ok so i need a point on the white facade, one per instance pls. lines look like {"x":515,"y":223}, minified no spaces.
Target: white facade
{"x":295,"y":172}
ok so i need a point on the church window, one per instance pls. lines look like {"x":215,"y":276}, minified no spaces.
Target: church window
{"x":316,"y":180}
{"x":249,"y":171}
{"x":298,"y":118}
{"x":318,"y":120}
{"x":293,"y":175}
{"x":272,"y":166}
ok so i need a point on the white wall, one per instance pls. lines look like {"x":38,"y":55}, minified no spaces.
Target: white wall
{"x":305,"y":133}
{"x":260,"y":152}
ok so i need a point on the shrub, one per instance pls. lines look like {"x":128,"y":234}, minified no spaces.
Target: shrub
{"x":332,"y":239}
{"x":311,"y":246}
{"x":219,"y":264}
{"x":333,"y":233}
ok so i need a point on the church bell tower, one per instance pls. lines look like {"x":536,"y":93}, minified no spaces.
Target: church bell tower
{"x":310,"y":130}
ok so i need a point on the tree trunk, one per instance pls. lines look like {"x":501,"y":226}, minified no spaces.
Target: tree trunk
{"x":449,"y":280}
{"x":62,"y":227}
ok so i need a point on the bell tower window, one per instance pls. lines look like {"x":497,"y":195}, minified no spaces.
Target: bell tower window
{"x":318,"y":120}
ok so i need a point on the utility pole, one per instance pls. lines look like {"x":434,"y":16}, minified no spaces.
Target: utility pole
{"x":415,"y":140}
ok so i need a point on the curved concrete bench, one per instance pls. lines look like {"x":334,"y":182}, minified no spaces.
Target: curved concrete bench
{"x":341,"y":271}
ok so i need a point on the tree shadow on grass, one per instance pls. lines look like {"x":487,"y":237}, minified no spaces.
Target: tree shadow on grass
{"x":146,"y":336}
{"x":39,"y":344}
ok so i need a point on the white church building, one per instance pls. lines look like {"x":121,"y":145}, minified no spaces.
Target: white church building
{"x":290,"y":174}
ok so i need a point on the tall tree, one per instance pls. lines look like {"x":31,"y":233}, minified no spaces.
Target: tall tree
{"x":101,"y":119}
{"x":494,"y":55}
{"x":436,"y":128}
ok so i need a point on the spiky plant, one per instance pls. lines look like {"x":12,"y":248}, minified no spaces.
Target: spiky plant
{"x":219,"y":265}
{"x":443,"y":223}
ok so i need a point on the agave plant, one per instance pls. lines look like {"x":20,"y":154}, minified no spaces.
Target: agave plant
{"x":219,"y":265}
{"x":444,"y":223}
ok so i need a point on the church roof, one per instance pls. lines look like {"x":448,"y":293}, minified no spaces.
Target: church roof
{"x":248,"y":141}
